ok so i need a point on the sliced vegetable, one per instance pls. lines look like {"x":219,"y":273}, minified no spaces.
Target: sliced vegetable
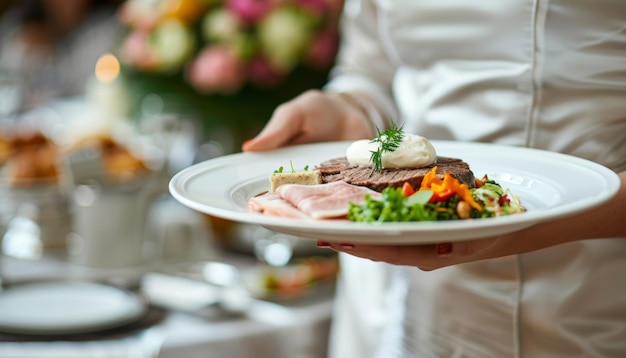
{"x":442,"y":195}
{"x":437,"y":199}
{"x":407,"y":189}
{"x":421,"y":197}
{"x":444,"y":189}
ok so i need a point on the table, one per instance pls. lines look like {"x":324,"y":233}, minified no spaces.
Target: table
{"x":294,"y":330}
{"x":290,"y":330}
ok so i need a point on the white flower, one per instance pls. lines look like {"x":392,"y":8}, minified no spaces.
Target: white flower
{"x":284,"y":36}
{"x":172,"y":43}
{"x":221,"y":25}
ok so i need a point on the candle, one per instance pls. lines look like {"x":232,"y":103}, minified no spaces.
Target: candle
{"x":106,"y":92}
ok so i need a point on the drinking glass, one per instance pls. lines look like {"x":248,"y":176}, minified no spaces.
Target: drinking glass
{"x":10,"y":94}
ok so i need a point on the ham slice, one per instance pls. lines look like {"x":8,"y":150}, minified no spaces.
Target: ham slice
{"x":321,"y":201}
{"x":272,"y":204}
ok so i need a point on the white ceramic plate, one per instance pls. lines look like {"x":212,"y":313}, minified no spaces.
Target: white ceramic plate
{"x":67,"y":307}
{"x":550,"y":185}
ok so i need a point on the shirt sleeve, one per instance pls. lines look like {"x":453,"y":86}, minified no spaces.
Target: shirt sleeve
{"x":362,"y":64}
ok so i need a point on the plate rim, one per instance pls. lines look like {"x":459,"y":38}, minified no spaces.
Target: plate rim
{"x":610,"y":188}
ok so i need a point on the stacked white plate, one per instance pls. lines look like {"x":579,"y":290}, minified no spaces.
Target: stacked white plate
{"x":67,"y":307}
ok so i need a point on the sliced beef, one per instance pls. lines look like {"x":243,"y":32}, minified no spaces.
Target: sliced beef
{"x":339,"y":169}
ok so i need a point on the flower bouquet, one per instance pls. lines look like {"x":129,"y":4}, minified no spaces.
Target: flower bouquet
{"x":220,"y":46}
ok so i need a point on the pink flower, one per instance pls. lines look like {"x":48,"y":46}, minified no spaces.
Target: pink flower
{"x":250,"y":11}
{"x":216,"y":69}
{"x":323,"y":49}
{"x":263,"y":74}
{"x":136,"y":51}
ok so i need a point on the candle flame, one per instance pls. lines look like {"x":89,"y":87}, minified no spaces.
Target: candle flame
{"x":107,"y":68}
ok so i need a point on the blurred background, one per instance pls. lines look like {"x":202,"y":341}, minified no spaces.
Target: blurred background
{"x":102,"y":101}
{"x":226,"y":64}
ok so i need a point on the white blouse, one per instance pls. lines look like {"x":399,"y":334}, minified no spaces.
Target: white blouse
{"x":548,"y":74}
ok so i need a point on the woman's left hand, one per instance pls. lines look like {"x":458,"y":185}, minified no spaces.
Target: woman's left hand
{"x":605,"y":221}
{"x":424,"y":257}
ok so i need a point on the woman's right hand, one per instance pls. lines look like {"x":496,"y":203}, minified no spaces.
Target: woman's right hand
{"x":313,"y":116}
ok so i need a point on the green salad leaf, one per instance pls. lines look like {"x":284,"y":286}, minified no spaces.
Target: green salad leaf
{"x":395,"y":207}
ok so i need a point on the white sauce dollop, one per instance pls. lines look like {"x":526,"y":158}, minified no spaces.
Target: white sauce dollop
{"x":414,"y":152}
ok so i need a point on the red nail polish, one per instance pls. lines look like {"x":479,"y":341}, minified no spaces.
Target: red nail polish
{"x":246,"y":143}
{"x":345,"y":245}
{"x":323,"y":244}
{"x":444,"y":249}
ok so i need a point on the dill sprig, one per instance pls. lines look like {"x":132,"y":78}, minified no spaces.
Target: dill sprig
{"x":388,"y":141}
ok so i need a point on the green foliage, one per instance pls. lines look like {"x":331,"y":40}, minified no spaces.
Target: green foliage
{"x":244,"y":113}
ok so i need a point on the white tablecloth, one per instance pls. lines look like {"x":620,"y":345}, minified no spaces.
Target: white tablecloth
{"x":295,"y":330}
